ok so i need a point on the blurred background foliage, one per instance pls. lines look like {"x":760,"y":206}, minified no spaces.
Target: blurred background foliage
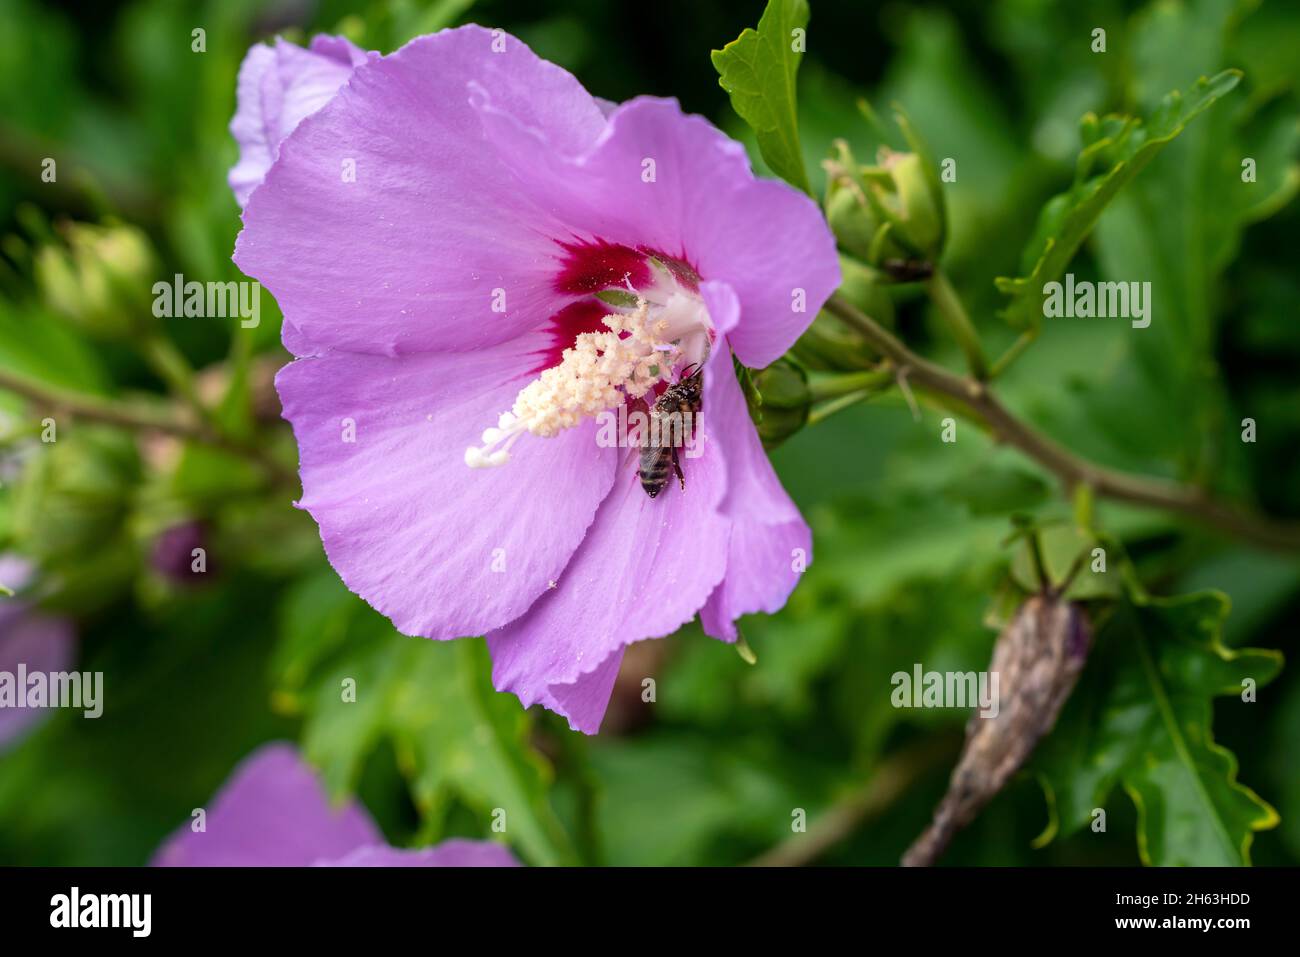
{"x":911,"y":534}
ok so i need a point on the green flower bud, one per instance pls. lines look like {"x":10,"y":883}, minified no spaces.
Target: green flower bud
{"x":849,"y":214}
{"x":100,"y":279}
{"x":917,"y":204}
{"x":868,"y":289}
{"x":76,"y":493}
{"x":72,"y":506}
{"x":783,"y":401}
{"x":830,"y":344}
{"x":889,"y":214}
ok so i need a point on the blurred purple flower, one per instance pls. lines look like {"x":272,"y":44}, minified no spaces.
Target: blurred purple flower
{"x":279,"y":86}
{"x":436,"y":236}
{"x":39,"y":642}
{"x":273,"y":812}
{"x":172,"y":555}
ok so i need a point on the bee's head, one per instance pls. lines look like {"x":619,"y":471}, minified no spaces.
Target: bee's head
{"x":691,"y":381}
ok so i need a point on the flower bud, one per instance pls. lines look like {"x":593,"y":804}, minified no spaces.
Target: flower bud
{"x":917,"y":203}
{"x":99,"y":279}
{"x":72,"y":508}
{"x":784,"y":400}
{"x":890,"y":213}
{"x":830,"y":344}
{"x":179,"y":553}
{"x":849,"y":216}
{"x":75,"y":494}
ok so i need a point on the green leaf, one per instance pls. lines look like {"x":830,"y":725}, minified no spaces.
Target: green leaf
{"x":1121,"y":147}
{"x":1181,"y":224}
{"x":454,"y":736}
{"x":672,"y":799}
{"x":1140,"y":719}
{"x":36,"y":344}
{"x":997,"y":490}
{"x":758,"y":70}
{"x":1065,"y":550}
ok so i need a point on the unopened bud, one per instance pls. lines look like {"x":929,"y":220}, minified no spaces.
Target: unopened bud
{"x":888,"y":213}
{"x":180,"y":553}
{"x":830,"y":344}
{"x":99,"y":279}
{"x":784,"y":400}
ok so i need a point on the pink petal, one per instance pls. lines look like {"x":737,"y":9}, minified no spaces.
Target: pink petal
{"x":411,"y":255}
{"x":644,"y":569}
{"x":442,"y":549}
{"x":585,"y":700}
{"x":272,"y":812}
{"x":770,"y":543}
{"x":456,"y":852}
{"x":278,"y":87}
{"x":765,"y":239}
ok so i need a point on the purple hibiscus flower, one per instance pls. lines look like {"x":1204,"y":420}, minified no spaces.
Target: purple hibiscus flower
{"x":274,"y":813}
{"x":37,"y":642}
{"x":436,"y":236}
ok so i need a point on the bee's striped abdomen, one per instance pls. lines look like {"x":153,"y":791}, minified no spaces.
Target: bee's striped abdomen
{"x":654,"y":469}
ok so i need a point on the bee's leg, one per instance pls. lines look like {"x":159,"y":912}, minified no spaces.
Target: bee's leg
{"x":677,"y":468}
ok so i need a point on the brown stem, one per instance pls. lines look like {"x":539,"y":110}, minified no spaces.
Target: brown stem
{"x":893,"y":778}
{"x":1071,"y":469}
{"x":111,"y":412}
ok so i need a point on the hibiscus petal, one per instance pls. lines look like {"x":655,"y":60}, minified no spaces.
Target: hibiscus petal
{"x":272,"y":812}
{"x":417,"y":251}
{"x":644,"y":569}
{"x":584,"y":700}
{"x":698,"y":200}
{"x":278,"y":87}
{"x":770,"y":543}
{"x":442,"y":549}
{"x":456,"y":852}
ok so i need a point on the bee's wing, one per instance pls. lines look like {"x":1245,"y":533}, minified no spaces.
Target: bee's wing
{"x":631,"y":457}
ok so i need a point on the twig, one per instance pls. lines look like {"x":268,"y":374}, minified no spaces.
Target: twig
{"x":893,"y":777}
{"x":950,"y":307}
{"x":824,"y":411}
{"x":111,"y":412}
{"x":906,"y":390}
{"x":1071,"y":469}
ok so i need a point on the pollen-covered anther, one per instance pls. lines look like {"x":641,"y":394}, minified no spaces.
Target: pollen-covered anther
{"x":600,"y":371}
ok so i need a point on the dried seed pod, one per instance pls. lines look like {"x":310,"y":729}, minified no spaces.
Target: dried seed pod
{"x":1037,"y":659}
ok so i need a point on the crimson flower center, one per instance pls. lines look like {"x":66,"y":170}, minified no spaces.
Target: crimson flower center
{"x":649,"y":335}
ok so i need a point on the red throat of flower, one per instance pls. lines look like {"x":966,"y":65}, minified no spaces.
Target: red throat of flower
{"x":637,"y":322}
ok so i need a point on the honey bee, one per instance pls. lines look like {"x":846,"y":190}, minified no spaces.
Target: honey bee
{"x":672,"y":425}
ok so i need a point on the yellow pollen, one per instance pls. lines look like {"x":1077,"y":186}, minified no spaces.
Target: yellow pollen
{"x":596,"y":373}
{"x":600,"y":371}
